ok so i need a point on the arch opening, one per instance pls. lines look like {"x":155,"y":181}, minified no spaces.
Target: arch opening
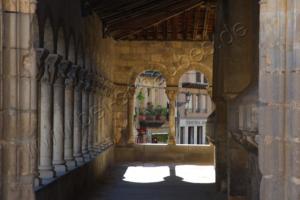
{"x":151,"y":108}
{"x":193,"y":108}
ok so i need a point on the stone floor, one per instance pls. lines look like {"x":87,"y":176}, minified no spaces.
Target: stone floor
{"x":155,"y":182}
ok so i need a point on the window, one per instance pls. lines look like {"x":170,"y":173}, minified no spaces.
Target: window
{"x":197,"y":103}
{"x":189,"y":105}
{"x":191,"y":135}
{"x":182,"y":130}
{"x":198,"y":77}
{"x":199,"y":135}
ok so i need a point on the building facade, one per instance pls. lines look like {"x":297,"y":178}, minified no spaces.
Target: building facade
{"x":194,"y":105}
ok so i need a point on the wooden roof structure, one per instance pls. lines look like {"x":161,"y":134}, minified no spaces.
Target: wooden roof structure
{"x":157,"y":19}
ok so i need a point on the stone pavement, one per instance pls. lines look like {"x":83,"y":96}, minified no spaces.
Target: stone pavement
{"x":172,"y":187}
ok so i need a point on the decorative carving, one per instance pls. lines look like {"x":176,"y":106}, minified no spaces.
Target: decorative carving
{"x":71,"y":80}
{"x":81,"y":74}
{"x":50,"y":68}
{"x":61,"y":70}
{"x":87,"y":84}
{"x":41,"y":55}
{"x":172,"y":93}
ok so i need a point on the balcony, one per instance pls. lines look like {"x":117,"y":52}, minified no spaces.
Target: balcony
{"x":197,"y":85}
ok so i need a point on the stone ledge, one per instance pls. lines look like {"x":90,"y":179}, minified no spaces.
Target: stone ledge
{"x":81,"y":177}
{"x":203,"y":154}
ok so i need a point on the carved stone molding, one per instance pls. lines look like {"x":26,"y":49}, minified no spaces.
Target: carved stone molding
{"x":41,"y":55}
{"x":81,"y":74}
{"x":71,"y":77}
{"x":61,"y":70}
{"x":172,"y":93}
{"x":50,"y":68}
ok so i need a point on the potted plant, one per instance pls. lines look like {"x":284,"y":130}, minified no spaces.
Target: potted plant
{"x":142,"y":116}
{"x":150,"y":112}
{"x":158,"y":111}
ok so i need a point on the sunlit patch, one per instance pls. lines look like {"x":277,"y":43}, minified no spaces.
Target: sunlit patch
{"x":196,"y":173}
{"x":141,"y":174}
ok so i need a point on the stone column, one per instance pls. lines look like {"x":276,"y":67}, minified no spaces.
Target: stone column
{"x":46,"y":129}
{"x":130,"y":113}
{"x":279,"y":113}
{"x":97,"y":114}
{"x":78,"y":119}
{"x":58,"y":117}
{"x":91,"y":118}
{"x":85,"y":115}
{"x":18,"y":105}
{"x":69,"y":117}
{"x":172,"y":95}
{"x":41,"y":55}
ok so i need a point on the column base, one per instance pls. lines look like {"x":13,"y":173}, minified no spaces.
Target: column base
{"x":37,"y":182}
{"x":97,"y":150}
{"x":60,"y":168}
{"x":46,"y":173}
{"x":71,"y":164}
{"x":131,"y":141}
{"x":171,"y":142}
{"x":79,"y":160}
{"x":87,"y":157}
{"x":93,"y":154}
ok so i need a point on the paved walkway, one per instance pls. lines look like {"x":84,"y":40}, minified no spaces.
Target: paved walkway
{"x":156,"y":182}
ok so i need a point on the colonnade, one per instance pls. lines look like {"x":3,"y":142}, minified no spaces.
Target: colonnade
{"x":68,"y":114}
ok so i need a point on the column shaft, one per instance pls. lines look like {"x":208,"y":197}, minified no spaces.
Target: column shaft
{"x":58,"y":119}
{"x":77,"y":124}
{"x":46,"y":134}
{"x":172,"y":94}
{"x":130,"y":113}
{"x":91,"y":123}
{"x":69,"y":118}
{"x":85,"y":121}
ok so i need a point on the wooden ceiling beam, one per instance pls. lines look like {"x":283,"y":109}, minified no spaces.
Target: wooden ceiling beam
{"x":144,"y":25}
{"x":174,"y":28}
{"x":207,"y":11}
{"x":151,"y":16}
{"x":165,"y":29}
{"x":197,"y":15}
{"x":156,"y":19}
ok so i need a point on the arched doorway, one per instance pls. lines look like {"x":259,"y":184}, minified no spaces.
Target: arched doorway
{"x":151,"y":108}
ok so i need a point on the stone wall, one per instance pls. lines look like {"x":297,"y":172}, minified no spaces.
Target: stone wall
{"x":172,"y":59}
{"x":17,"y":100}
{"x":165,"y":153}
{"x":279,"y":144}
{"x":77,"y":182}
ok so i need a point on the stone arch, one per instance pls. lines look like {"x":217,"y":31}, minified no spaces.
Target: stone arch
{"x":71,"y":50}
{"x":161,"y":68}
{"x":61,"y":42}
{"x":48,"y":36}
{"x":206,"y":70}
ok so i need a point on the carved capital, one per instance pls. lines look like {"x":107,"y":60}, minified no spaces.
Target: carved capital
{"x":89,"y":82}
{"x":50,"y":68}
{"x":172,"y":93}
{"x":99,"y":82}
{"x":41,"y":55}
{"x":71,"y":76}
{"x":81,"y":74}
{"x":61,"y":70}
